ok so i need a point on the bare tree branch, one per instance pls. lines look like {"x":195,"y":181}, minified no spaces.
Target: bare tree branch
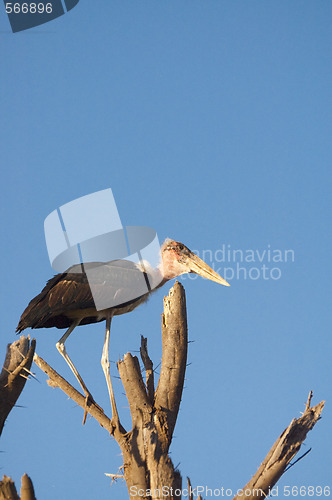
{"x":282,"y":452}
{"x":55,"y":380}
{"x":132,"y":380}
{"x":148,"y":365}
{"x":15,"y":371}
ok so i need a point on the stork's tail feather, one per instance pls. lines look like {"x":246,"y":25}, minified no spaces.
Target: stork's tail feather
{"x":34,"y":316}
{"x":20,"y":327}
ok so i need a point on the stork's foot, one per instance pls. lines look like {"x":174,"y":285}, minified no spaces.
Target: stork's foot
{"x":88,"y":402}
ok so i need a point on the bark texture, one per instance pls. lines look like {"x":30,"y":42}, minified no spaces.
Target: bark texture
{"x":15,"y":371}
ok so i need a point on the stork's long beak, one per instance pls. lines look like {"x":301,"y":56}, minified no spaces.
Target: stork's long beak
{"x":199,"y":267}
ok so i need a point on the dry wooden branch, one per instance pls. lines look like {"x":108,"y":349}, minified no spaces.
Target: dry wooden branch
{"x":15,"y":371}
{"x":281,"y":453}
{"x":148,"y":366}
{"x":55,"y":380}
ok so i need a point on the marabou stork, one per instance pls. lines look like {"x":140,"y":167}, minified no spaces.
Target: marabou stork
{"x":66,"y":301}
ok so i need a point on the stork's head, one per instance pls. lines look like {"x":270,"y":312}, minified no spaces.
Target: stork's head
{"x":177,"y":259}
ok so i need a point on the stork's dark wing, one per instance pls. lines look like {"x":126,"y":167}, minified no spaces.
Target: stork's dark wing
{"x":71,"y":292}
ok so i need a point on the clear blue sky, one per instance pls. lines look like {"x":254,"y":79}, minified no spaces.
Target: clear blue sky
{"x":211,"y":122}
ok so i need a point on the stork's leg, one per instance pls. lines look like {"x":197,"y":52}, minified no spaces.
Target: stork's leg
{"x":62,"y":350}
{"x":105,"y":363}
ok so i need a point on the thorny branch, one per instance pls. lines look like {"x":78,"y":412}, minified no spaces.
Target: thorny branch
{"x":55,"y":380}
{"x":15,"y":372}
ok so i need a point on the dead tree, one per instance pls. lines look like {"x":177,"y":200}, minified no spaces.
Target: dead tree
{"x":147,"y":467}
